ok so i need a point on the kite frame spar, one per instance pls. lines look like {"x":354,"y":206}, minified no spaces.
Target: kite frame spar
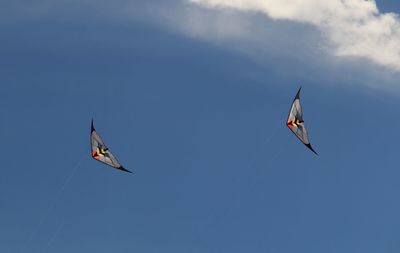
{"x":301,"y":121}
{"x":111,"y":156}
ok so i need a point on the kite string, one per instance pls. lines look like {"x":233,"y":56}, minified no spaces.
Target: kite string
{"x":52,"y":238}
{"x":265,"y":143}
{"x":252,"y":161}
{"x":52,"y":206}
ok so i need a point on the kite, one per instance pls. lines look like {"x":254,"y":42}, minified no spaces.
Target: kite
{"x":101,"y":153}
{"x":295,"y":122}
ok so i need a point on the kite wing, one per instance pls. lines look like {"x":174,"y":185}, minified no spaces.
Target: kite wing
{"x":295,"y":122}
{"x":101,"y":153}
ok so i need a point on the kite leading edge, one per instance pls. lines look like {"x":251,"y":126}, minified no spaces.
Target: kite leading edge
{"x":101,"y":153}
{"x":295,"y":122}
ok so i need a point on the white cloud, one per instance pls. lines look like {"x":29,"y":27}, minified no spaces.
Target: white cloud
{"x":352,"y":28}
{"x":280,"y":36}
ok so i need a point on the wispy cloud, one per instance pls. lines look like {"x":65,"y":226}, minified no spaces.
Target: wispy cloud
{"x":352,"y":28}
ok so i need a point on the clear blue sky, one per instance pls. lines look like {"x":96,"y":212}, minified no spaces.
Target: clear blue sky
{"x":203,"y":127}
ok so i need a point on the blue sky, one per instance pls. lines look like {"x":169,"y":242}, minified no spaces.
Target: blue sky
{"x":199,"y":115}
